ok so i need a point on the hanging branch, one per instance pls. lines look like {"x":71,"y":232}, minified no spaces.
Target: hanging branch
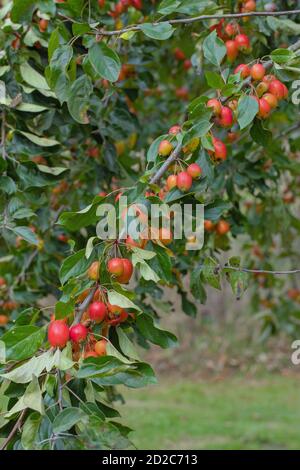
{"x":195,"y":19}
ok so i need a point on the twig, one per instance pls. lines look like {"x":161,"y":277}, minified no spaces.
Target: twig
{"x":3,"y":124}
{"x":195,"y":19}
{"x":261,"y":271}
{"x":84,"y":305}
{"x":166,"y":165}
{"x":59,"y":390}
{"x":16,"y":428}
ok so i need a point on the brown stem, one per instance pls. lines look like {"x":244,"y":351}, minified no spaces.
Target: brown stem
{"x":16,"y":427}
{"x":201,"y":18}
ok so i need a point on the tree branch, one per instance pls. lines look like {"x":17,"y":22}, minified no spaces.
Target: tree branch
{"x":84,"y":305}
{"x":172,"y":157}
{"x":260,"y":271}
{"x":195,"y":19}
{"x":16,"y":427}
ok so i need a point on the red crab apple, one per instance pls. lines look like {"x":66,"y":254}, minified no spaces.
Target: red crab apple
{"x":100,"y":347}
{"x":215,"y":105}
{"x":115,"y":266}
{"x":194,"y":170}
{"x":257,"y":71}
{"x":243,"y":69}
{"x":58,"y":333}
{"x":165,"y":148}
{"x":97,"y":311}
{"x":171,"y":182}
{"x":78,"y":333}
{"x":184,"y":181}
{"x":232,"y":50}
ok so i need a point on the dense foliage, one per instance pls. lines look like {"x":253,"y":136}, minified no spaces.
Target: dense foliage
{"x":85,"y":116}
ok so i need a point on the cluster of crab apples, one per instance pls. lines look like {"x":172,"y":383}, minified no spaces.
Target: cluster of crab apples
{"x":100,"y":311}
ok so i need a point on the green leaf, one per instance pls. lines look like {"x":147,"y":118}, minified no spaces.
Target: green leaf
{"x":214,"y":48}
{"x":211,"y":273}
{"x":260,"y":135}
{"x":239,"y":282}
{"x":146,"y":327}
{"x":30,"y":108}
{"x":214,"y":210}
{"x":67,"y":418}
{"x":199,"y":129}
{"x":22,"y":10}
{"x":281,"y":56}
{"x":26,"y":234}
{"x":40,"y":141}
{"x":52,"y":170}
{"x":105,"y":61}
{"x":34,"y":367}
{"x":30,"y":430}
{"x":32,"y":399}
{"x":78,"y":99}
{"x":127,"y":347}
{"x":247,"y":110}
{"x":74,"y":221}
{"x":7,"y":184}
{"x":115,"y":298}
{"x":214,"y":80}
{"x":22,"y":342}
{"x":32,"y":77}
{"x":73,"y":266}
{"x":168,"y":6}
{"x":159,"y":31}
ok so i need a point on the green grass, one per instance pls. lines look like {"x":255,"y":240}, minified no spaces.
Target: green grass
{"x":236,"y":413}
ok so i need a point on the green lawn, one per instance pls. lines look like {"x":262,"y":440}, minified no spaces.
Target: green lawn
{"x":236,"y":413}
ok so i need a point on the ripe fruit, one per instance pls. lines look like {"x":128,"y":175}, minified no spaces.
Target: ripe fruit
{"x":261,"y":88}
{"x":16,"y":43}
{"x":171,"y":182}
{"x":222,"y":227}
{"x":116,"y":315}
{"x":43,"y":25}
{"x":101,"y":3}
{"x":174,"y":130}
{"x":271,"y":99}
{"x":286,"y":91}
{"x":184,"y":181}
{"x":78,"y":333}
{"x":93,"y":152}
{"x":243,"y":69}
{"x":215,"y":105}
{"x":141,"y":243}
{"x":232,"y":136}
{"x":191,"y":146}
{"x":232,"y":50}
{"x":90,"y":354}
{"x":182,"y":93}
{"x":230,"y":29}
{"x":187,"y":64}
{"x":194,"y":170}
{"x":277,"y":89}
{"x":115,"y":266}
{"x":264,"y":108}
{"x":257,"y":71}
{"x":58,"y":334}
{"x":269,"y":78}
{"x":93,"y":271}
{"x":3,"y":320}
{"x":208,"y":225}
{"x":179,"y":54}
{"x":165,"y":148}
{"x":220,"y":149}
{"x":100,"y":347}
{"x":249,"y":6}
{"x":226,"y":117}
{"x":137,"y":4}
{"x":2,"y":282}
{"x":243,"y":42}
{"x":97,"y":311}
{"x":127,"y":271}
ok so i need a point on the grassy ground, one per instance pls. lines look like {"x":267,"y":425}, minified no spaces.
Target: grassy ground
{"x":236,"y":413}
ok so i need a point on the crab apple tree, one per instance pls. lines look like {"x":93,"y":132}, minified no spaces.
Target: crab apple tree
{"x":102,"y":101}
